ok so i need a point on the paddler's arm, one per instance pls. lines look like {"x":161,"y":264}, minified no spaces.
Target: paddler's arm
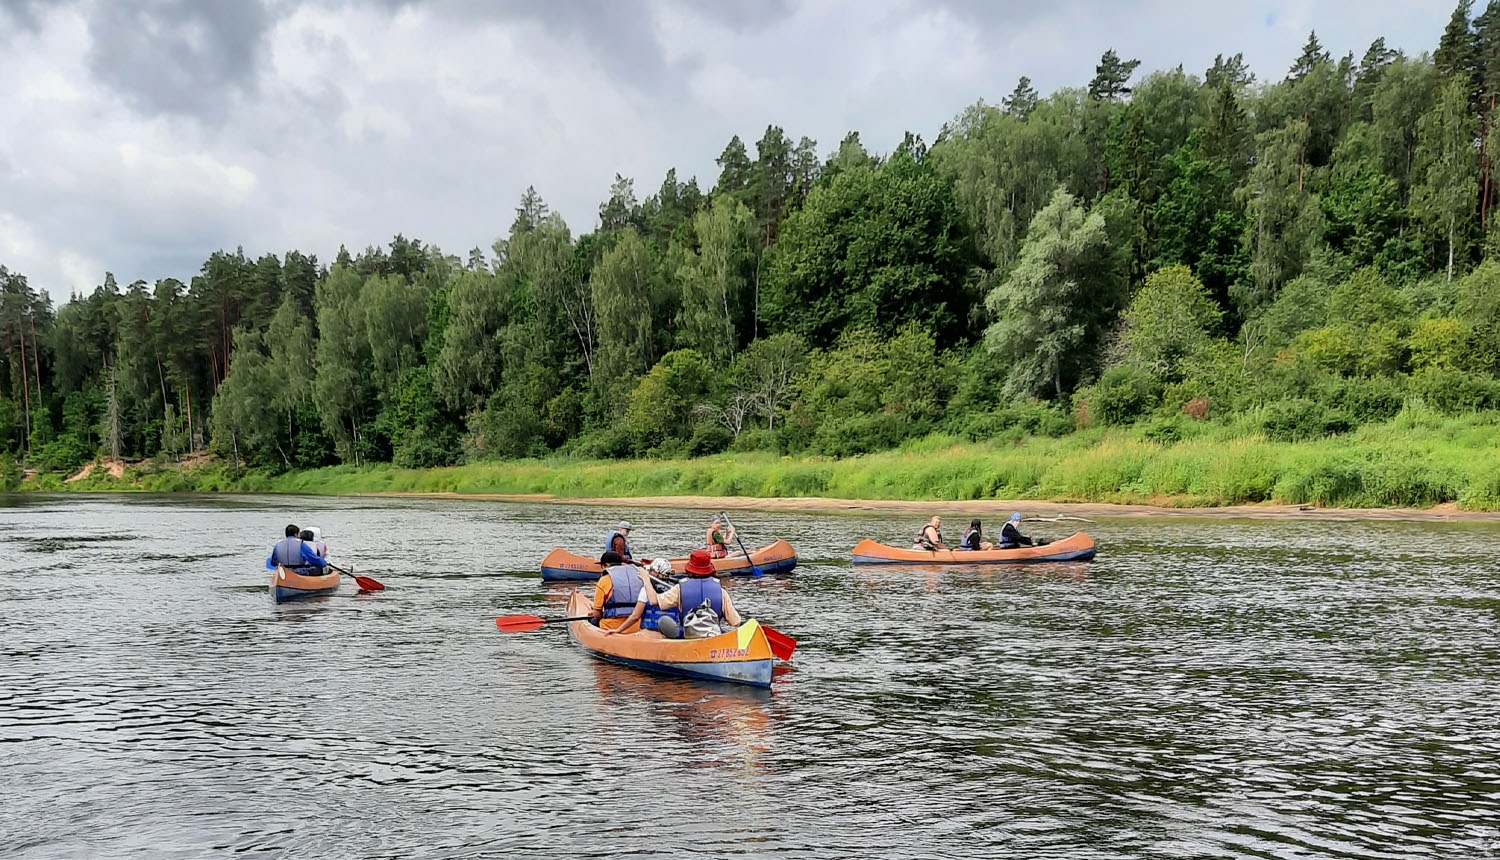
{"x":730,"y":615}
{"x":635,"y":615}
{"x":310,"y":557}
{"x":602,"y":591}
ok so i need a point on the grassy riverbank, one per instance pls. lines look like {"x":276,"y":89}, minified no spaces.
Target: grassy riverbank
{"x":1416,"y":460}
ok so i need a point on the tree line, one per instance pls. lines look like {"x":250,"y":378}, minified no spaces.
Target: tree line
{"x":1296,"y":256}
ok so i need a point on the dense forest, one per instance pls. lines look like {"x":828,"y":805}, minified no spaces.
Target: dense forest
{"x":1294,"y":256}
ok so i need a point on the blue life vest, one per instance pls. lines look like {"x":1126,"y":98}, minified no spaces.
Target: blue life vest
{"x":650,"y":620}
{"x":972,"y":540}
{"x":627,"y":585}
{"x":694,"y":590}
{"x":288,"y":552}
{"x":609,"y":543}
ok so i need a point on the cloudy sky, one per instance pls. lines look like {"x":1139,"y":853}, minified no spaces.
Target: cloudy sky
{"x":138,"y":136}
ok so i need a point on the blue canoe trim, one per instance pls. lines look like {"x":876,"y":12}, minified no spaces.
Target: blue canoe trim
{"x":756,"y":673}
{"x":1081,"y":555}
{"x":282,"y":594}
{"x":562,"y":574}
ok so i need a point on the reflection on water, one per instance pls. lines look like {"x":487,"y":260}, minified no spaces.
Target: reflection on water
{"x":1204,"y":689}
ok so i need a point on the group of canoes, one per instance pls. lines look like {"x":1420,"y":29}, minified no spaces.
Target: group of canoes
{"x":746,"y":654}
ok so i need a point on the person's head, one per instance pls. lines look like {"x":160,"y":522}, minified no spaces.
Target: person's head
{"x":611,"y":558}
{"x":1015,"y":517}
{"x":717,"y":520}
{"x":292,"y":531}
{"x":317,"y":532}
{"x":936,"y":522}
{"x":699,"y":564}
{"x":306,"y":534}
{"x":623,"y":528}
{"x":974,"y":524}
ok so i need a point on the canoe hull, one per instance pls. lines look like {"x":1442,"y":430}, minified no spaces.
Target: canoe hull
{"x":741,"y":656}
{"x":290,"y":585}
{"x":1076,"y":547}
{"x":779,"y":557}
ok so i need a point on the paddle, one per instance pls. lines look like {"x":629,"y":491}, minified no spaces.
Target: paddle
{"x":781,"y":644}
{"x":365,"y":583}
{"x":737,"y":539}
{"x":528,"y":623}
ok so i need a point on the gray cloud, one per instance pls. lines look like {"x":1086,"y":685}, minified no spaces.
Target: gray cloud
{"x":178,"y":56}
{"x":157,"y":131}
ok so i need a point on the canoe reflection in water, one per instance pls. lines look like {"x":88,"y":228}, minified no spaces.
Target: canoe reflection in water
{"x":717,"y":725}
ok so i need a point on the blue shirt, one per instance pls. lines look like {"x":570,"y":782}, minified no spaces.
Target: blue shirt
{"x":309,"y":557}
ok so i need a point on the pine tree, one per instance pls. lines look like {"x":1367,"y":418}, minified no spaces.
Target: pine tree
{"x":1455,"y":53}
{"x":1111,"y":77}
{"x":1371,"y":67}
{"x":1313,"y":54}
{"x":1022,"y":100}
{"x":734,"y":168}
{"x":1230,"y":70}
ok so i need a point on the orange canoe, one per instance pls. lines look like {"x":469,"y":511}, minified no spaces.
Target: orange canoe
{"x":1076,"y":547}
{"x":289,"y":584}
{"x":562,"y":566}
{"x":741,"y":656}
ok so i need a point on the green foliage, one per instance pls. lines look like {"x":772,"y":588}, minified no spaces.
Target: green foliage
{"x":870,"y":393}
{"x":662,"y":404}
{"x":1299,"y":419}
{"x":879,"y":247}
{"x":1066,"y":285}
{"x":1218,"y":262}
{"x":1123,"y":394}
{"x":1169,"y":319}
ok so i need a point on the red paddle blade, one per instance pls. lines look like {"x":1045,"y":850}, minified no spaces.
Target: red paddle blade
{"x":781,"y":644}
{"x":365,"y":583}
{"x":519,"y":623}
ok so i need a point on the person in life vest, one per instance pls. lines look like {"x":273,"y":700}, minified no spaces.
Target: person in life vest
{"x":293,"y":553}
{"x":698,"y":590}
{"x":647,"y":614}
{"x":618,"y":541}
{"x":317,"y":541}
{"x":1011,"y":536}
{"x":974,"y":538}
{"x":719,"y":538}
{"x":617,"y":592}
{"x":931,"y":536}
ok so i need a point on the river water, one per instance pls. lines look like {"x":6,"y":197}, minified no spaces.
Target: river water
{"x":1206,"y":688}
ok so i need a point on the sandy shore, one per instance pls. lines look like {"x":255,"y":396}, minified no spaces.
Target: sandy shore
{"x":988,"y":507}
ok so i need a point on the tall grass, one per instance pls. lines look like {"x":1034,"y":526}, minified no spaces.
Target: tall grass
{"x":1416,"y":459}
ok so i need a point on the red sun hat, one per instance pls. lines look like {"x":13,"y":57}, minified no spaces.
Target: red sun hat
{"x":699,"y":564}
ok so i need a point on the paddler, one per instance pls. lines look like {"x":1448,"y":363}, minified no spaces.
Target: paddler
{"x":617,"y":592}
{"x":618,"y":541}
{"x":719,"y":537}
{"x":293,"y":553}
{"x":1011,"y":536}
{"x":317,"y":541}
{"x":700,"y":589}
{"x":931,"y":536}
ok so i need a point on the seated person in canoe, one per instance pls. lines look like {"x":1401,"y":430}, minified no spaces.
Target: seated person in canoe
{"x":293,"y":553}
{"x":931,"y":536}
{"x":1011,"y":536}
{"x":618,"y":542}
{"x":974,"y":538}
{"x":618,"y":592}
{"x":698,"y":597}
{"x":719,"y":538}
{"x":316,"y":540}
